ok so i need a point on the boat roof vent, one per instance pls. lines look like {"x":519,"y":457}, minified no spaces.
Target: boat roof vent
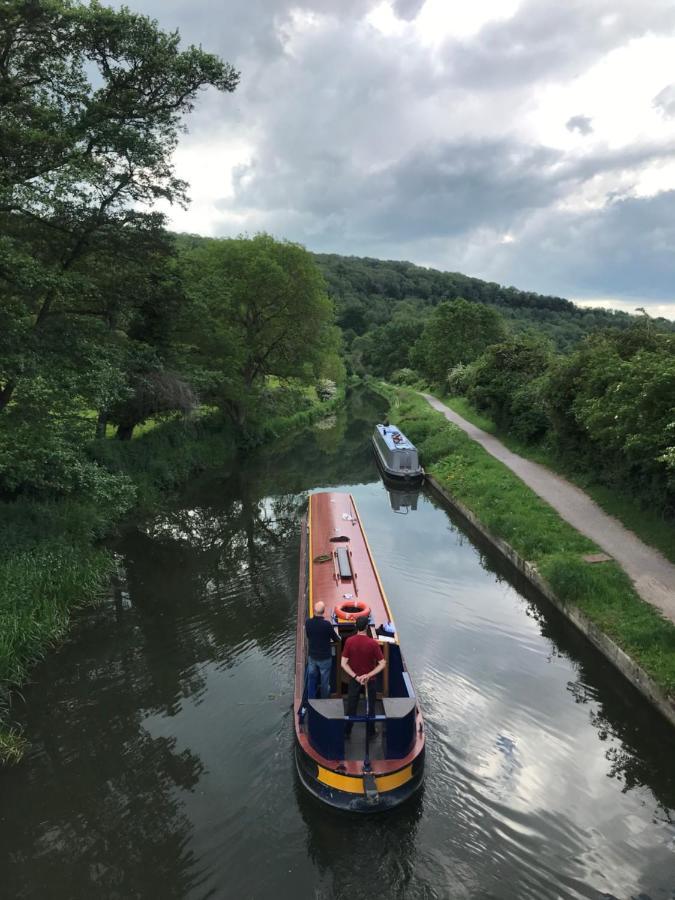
{"x":344,"y":564}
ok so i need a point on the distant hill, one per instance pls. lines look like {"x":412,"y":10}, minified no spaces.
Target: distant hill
{"x":369,"y":292}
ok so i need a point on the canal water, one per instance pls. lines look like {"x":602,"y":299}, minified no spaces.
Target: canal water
{"x":162,"y":741}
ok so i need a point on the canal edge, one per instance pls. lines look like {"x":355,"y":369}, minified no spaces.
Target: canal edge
{"x":601,"y":641}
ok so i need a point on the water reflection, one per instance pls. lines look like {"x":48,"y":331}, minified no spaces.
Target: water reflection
{"x":96,"y":809}
{"x":403,"y":499}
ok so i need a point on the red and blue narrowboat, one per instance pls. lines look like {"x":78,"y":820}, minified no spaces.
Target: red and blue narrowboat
{"x":364,"y":773}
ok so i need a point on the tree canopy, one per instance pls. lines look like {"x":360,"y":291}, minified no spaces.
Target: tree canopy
{"x":457,"y":332}
{"x":259,"y":308}
{"x":92,"y":103}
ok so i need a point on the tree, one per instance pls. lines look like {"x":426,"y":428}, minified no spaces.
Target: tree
{"x":509,"y":381}
{"x":612,"y":407}
{"x":457,"y":332}
{"x":258,"y":308}
{"x":80,"y":161}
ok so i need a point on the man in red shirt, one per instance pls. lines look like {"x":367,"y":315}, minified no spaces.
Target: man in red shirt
{"x":362,"y":660}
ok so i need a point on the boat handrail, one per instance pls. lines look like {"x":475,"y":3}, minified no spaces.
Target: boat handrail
{"x":407,"y":680}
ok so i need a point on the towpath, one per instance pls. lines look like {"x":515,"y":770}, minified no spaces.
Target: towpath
{"x":652,"y":574}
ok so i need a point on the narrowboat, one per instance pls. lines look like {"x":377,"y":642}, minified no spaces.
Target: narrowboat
{"x":396,"y":455}
{"x":361,"y":773}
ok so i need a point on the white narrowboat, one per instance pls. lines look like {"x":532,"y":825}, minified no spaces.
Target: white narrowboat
{"x":396,"y":455}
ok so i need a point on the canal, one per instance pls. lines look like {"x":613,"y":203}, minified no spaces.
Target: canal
{"x":162,"y":762}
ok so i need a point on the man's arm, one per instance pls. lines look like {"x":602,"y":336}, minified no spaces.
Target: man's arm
{"x":378,"y":668}
{"x":348,"y":669}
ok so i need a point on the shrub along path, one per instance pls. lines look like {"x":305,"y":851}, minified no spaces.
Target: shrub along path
{"x":652,"y":575}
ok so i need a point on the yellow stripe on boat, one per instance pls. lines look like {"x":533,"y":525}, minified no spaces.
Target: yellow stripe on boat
{"x":351,"y":784}
{"x":396,"y":779}
{"x":346,"y":783}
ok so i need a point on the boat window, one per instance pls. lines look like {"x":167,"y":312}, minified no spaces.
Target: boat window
{"x":339,"y":538}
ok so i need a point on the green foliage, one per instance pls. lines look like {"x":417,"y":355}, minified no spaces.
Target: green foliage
{"x":386,"y":348}
{"x":508,"y":383}
{"x":43,"y":454}
{"x":79,"y":159}
{"x":12,"y":745}
{"x":648,"y":523}
{"x":608,"y":408}
{"x":459,"y":379}
{"x":39,"y":587}
{"x":368,"y":293}
{"x":405,"y":376}
{"x":258,"y":307}
{"x":457,"y":332}
{"x":605,"y":594}
{"x":612,"y":408}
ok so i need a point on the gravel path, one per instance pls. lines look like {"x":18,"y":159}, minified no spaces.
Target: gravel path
{"x":651,"y":573}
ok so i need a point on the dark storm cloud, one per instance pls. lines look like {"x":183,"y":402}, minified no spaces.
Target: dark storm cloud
{"x":446,"y":189}
{"x":582,"y":124}
{"x":622,"y":250}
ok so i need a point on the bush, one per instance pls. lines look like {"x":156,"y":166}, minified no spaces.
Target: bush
{"x":459,"y":378}
{"x":405,"y":376}
{"x":326,"y":389}
{"x":529,"y":416}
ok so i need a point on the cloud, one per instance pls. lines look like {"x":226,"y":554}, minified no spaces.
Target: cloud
{"x":407,"y":9}
{"x":420,"y":140}
{"x":620,"y":250}
{"x":582,"y":124}
{"x":665,"y":101}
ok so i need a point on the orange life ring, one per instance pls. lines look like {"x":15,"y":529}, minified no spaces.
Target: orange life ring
{"x":351,"y":610}
{"x":397,"y":438}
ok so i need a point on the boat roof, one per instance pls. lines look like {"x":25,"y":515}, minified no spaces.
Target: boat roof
{"x":388,"y":432}
{"x":333,"y":523}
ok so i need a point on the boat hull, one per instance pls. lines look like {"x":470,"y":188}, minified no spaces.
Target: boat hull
{"x":347,"y":792}
{"x":394,"y":475}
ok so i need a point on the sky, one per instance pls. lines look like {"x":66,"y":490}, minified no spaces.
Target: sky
{"x":527,"y":142}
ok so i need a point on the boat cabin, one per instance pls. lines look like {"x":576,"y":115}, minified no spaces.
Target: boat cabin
{"x":396,"y":455}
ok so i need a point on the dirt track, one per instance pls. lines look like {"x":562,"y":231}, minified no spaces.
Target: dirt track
{"x":651,"y":573}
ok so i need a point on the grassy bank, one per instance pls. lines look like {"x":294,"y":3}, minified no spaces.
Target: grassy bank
{"x":51,"y":561}
{"x":513,"y":512}
{"x":648,"y":525}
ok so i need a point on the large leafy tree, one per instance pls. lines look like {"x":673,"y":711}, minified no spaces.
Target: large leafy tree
{"x":509,"y":382}
{"x":258,"y":308}
{"x":457,"y":332}
{"x":92,"y":101}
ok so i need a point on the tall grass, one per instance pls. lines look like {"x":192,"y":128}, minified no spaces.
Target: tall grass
{"x":39,"y":587}
{"x":513,"y":512}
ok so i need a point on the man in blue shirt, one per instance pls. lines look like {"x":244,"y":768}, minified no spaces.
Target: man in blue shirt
{"x":320,"y":637}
